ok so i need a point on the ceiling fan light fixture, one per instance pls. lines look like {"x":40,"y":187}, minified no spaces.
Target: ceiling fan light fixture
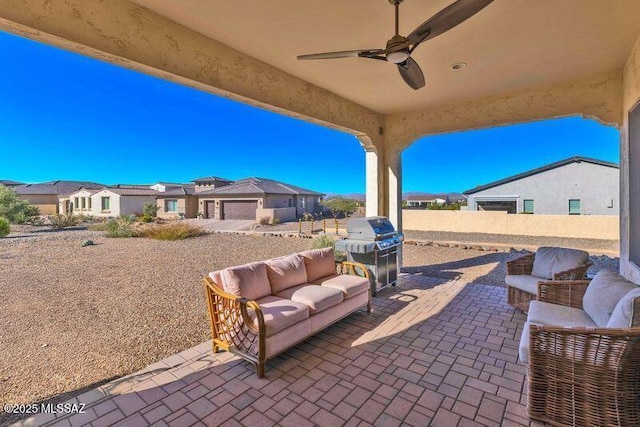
{"x":398,"y":57}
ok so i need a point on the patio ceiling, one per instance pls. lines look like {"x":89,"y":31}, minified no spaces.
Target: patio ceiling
{"x":509,"y":46}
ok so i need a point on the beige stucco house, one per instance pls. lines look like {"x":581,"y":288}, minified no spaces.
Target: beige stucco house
{"x":110,"y":202}
{"x":256,"y":198}
{"x":46,"y":196}
{"x":176,"y":202}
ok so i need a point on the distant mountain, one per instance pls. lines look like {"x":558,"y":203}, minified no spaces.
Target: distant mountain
{"x":355,"y":196}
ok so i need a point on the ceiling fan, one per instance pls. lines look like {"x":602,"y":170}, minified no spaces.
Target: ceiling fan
{"x":399,"y":48}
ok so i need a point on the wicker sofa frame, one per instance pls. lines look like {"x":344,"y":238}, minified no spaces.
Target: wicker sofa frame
{"x":233,"y":329}
{"x":524,"y":266}
{"x":583,"y":376}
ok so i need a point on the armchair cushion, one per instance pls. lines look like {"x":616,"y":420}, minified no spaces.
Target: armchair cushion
{"x":317,"y":298}
{"x":280,"y":313}
{"x":551,"y":260}
{"x":248,"y":281}
{"x":523,"y":282}
{"x":548,"y":314}
{"x":603,"y":294}
{"x":350,"y":286}
{"x":623,"y":315}
{"x":286,"y":272}
{"x":319,"y":263}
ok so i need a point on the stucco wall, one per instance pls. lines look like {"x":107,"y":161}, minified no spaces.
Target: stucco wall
{"x":279,"y":201}
{"x":583,"y":226}
{"x":594,"y":185}
{"x":282,"y":214}
{"x":134,"y":204}
{"x":114,"y":204}
{"x":187,"y":206}
{"x":47,"y":204}
{"x":631,"y":96}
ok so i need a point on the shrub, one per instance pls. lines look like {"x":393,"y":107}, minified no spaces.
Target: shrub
{"x":147,"y":218}
{"x":264,"y":220}
{"x":150,"y":209}
{"x":120,"y":227}
{"x":173,"y":231}
{"x":275,"y":221}
{"x":340,"y":205}
{"x":5,"y":228}
{"x":128,"y":219}
{"x":64,"y":221}
{"x":16,"y":211}
{"x":322,"y":241}
{"x":99,"y":226}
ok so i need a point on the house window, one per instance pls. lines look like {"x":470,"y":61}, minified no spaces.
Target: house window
{"x":574,"y":206}
{"x":171,"y":205}
{"x":289,"y":202}
{"x":88,"y":202}
{"x":76,"y":202}
{"x":105,"y":203}
{"x":83,"y":203}
{"x":527,"y":206}
{"x":303,"y":202}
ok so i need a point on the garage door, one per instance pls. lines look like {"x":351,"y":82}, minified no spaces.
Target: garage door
{"x":239,"y":209}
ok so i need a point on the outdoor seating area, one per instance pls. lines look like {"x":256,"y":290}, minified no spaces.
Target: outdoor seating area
{"x":431,"y":351}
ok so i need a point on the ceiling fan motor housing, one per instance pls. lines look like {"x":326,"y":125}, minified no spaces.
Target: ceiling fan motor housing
{"x":397,"y":50}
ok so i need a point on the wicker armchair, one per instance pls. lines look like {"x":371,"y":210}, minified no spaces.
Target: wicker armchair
{"x":583,"y":376}
{"x":523,"y":266}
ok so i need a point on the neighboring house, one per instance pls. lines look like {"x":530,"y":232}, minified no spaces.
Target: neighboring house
{"x":45,"y":195}
{"x":120,"y":200}
{"x":177,"y":202}
{"x":9,"y":183}
{"x":78,"y":202}
{"x":575,"y":186}
{"x":426,"y":201}
{"x":209,"y":183}
{"x":255,"y":198}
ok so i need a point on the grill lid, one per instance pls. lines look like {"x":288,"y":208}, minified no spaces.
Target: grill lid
{"x":370,"y":228}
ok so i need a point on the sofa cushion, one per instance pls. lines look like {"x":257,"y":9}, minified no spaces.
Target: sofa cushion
{"x":248,"y":281}
{"x":551,"y":260}
{"x":319,"y":263}
{"x":318,"y":298}
{"x":216,"y":276}
{"x":549,"y":314}
{"x":523,"y":282}
{"x":281,"y":313}
{"x":348,"y":284}
{"x":623,"y":313}
{"x":603,"y":294}
{"x":286,"y":272}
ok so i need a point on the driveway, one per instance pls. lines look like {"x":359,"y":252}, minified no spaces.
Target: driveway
{"x":223,"y":225}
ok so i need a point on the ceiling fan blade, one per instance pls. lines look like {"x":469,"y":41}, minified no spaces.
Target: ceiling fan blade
{"x":446,"y":19}
{"x":341,"y":54}
{"x":411,"y":73}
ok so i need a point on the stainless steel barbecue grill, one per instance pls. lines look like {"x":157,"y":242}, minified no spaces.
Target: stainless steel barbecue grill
{"x":374,"y":242}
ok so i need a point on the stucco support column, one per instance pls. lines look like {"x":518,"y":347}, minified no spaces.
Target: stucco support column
{"x":393,"y":166}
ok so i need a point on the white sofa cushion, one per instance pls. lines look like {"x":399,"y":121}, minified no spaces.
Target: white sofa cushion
{"x":349,"y":285}
{"x":551,"y":260}
{"x":603,"y":294}
{"x":316,"y":297}
{"x":319,"y":263}
{"x":280,"y":313}
{"x":523,"y":282}
{"x":286,"y":272}
{"x":523,"y":350}
{"x":623,"y":313}
{"x":248,"y":281}
{"x":548,"y":314}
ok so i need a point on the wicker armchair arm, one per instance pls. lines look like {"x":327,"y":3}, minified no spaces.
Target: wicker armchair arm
{"x":563,"y":292}
{"x":353,"y":268}
{"x":231,"y":322}
{"x":520,"y":266}
{"x":576,"y":273}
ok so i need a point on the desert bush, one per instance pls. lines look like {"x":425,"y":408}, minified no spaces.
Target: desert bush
{"x":128,"y":219}
{"x":264,"y":220}
{"x":120,"y":227}
{"x":151,"y":210}
{"x":16,"y":211}
{"x":99,"y":226}
{"x":5,"y":228}
{"x":64,"y":221}
{"x":307,"y":216}
{"x":147,"y":218}
{"x":340,"y":205}
{"x":322,"y":241}
{"x":275,"y":221}
{"x":172,"y":231}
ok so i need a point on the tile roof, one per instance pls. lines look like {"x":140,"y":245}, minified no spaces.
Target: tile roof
{"x":177,"y":191}
{"x":132,"y":191}
{"x":55,"y":187}
{"x":211,"y":178}
{"x":255,"y":185}
{"x":575,"y":159}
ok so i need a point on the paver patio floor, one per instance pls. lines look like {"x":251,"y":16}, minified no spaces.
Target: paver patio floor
{"x":432,"y":352}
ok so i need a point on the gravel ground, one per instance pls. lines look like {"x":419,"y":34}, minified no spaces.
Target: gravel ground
{"x":76,"y":317}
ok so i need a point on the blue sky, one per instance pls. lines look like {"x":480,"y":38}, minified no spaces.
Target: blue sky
{"x":65,"y":116}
